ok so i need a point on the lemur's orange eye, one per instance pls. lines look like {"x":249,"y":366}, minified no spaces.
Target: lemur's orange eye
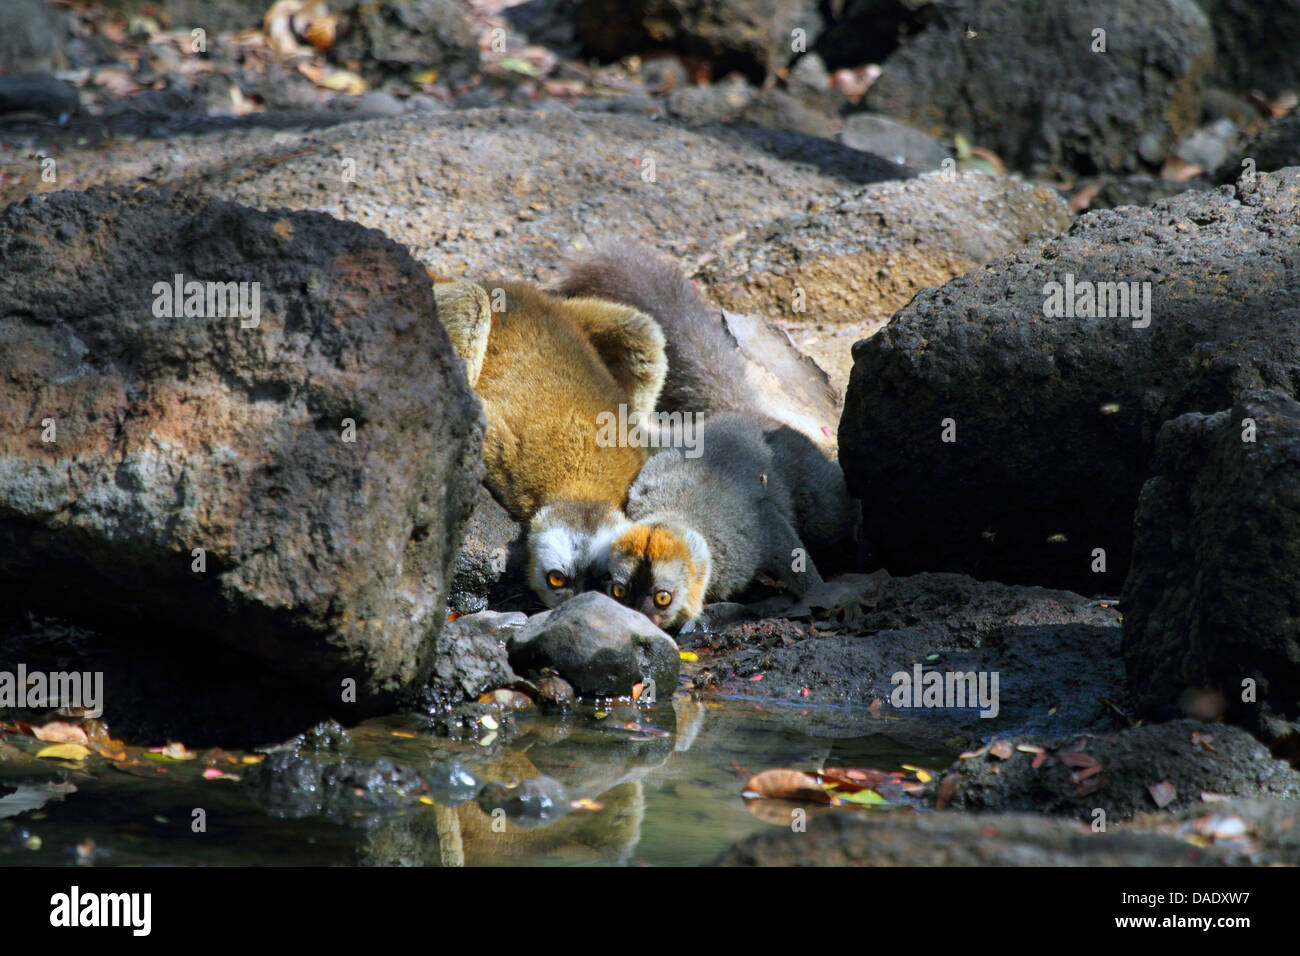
{"x":663,"y":598}
{"x":556,"y":580}
{"x":618,"y":591}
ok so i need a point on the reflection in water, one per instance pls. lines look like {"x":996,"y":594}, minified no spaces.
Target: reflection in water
{"x":658,"y":786}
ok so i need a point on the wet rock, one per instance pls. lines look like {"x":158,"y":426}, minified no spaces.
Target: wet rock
{"x":1028,"y":85}
{"x":535,"y":801}
{"x":1191,"y":756}
{"x":292,"y":785}
{"x":451,"y":783}
{"x":491,"y":564}
{"x":1054,"y":418}
{"x":848,"y":838}
{"x":291,"y":480}
{"x":471,"y":656}
{"x":895,"y":141}
{"x":752,"y":36}
{"x":599,"y":645}
{"x":36,"y":93}
{"x":1056,"y":656}
{"x":407,"y":37}
{"x":1210,"y":601}
{"x":31,"y":36}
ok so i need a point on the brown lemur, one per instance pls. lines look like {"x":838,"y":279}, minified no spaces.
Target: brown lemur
{"x":546,"y":370}
{"x":759,"y":495}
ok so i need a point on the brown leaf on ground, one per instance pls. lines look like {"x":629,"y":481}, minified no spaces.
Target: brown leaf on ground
{"x":1076,"y":758}
{"x":1163,"y":793}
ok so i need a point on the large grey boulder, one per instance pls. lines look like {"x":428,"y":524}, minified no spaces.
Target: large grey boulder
{"x":291,"y":480}
{"x":1023,"y":78}
{"x":1212,"y":599}
{"x":1053,"y":418}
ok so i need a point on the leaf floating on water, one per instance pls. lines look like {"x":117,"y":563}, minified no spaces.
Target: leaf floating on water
{"x":924,"y":776}
{"x":173,"y":751}
{"x":786,"y":785}
{"x":61,"y":732}
{"x":403,"y":733}
{"x":212,"y":773}
{"x":586,"y":803}
{"x":1163,"y":793}
{"x":865,"y":797}
{"x":64,"y":752}
{"x":688,"y":656}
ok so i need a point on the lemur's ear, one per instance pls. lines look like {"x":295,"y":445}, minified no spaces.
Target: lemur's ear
{"x":465,"y":312}
{"x":699,"y":548}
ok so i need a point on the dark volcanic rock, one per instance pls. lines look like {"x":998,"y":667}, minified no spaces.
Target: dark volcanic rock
{"x":36,"y":93}
{"x":410,"y":36}
{"x":31,"y":36}
{"x":291,"y":785}
{"x":1056,"y":656}
{"x":1275,"y":146}
{"x":1238,"y":832}
{"x":471,"y":656}
{"x":1257,"y":43}
{"x":1191,"y":756}
{"x":491,"y":565}
{"x":1028,"y":85}
{"x":752,"y":36}
{"x":1214,"y":591}
{"x":293,"y":483}
{"x":1055,"y":418}
{"x":599,"y":645}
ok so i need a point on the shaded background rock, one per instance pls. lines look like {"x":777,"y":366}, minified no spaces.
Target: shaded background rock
{"x":751,"y":36}
{"x":31,"y":37}
{"x":1020,"y":77}
{"x":491,"y":566}
{"x":409,"y":37}
{"x":1056,"y":417}
{"x":1257,"y":43}
{"x":1211,"y":599}
{"x":323,"y":558}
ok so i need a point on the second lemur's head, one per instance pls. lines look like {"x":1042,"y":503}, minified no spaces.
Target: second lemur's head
{"x":660,"y":568}
{"x":568,"y":542}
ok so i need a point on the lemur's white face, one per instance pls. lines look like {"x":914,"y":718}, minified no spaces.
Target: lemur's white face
{"x":568,"y":549}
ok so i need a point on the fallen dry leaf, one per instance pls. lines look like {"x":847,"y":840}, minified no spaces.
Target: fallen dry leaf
{"x":64,"y":752}
{"x":61,"y":732}
{"x":1163,"y":793}
{"x":786,"y":785}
